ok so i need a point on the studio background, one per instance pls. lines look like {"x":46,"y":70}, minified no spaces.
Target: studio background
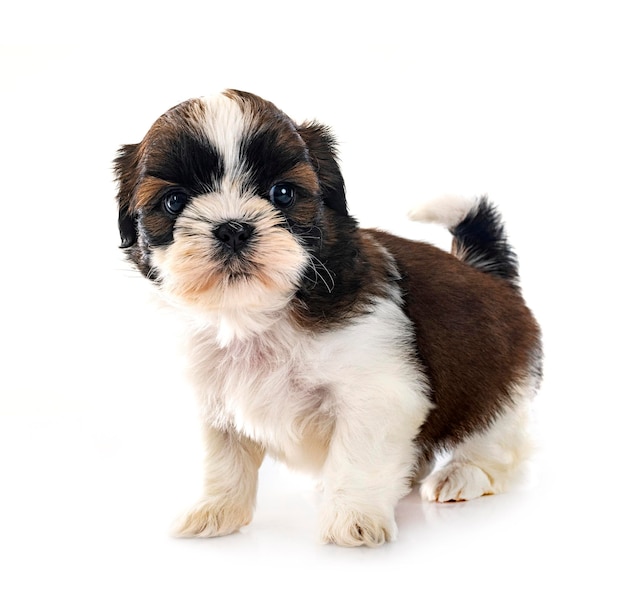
{"x":99,"y":441}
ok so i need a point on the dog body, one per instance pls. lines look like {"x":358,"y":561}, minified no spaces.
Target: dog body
{"x":351,"y":353}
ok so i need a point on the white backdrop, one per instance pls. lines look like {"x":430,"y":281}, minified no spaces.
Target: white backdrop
{"x":99,"y":449}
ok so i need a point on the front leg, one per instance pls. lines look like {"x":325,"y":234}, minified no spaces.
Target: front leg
{"x":231,"y":476}
{"x":371,"y":460}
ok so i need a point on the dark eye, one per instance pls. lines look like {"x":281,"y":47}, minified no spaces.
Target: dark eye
{"x":174,"y":201}
{"x":282,"y":195}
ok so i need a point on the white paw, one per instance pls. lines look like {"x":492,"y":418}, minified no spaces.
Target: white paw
{"x":211,"y":518}
{"x":355,"y":528}
{"x":456,"y":482}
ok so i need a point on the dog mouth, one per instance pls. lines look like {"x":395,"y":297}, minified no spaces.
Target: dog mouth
{"x":237,"y":266}
{"x":238,"y":276}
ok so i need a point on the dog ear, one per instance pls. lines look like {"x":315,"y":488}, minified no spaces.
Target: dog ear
{"x":126,"y":171}
{"x":322,"y":150}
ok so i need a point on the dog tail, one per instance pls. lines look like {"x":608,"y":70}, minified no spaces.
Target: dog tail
{"x":478,"y":233}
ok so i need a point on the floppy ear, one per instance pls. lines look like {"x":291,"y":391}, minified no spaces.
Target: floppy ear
{"x":126,"y":171}
{"x":322,"y":150}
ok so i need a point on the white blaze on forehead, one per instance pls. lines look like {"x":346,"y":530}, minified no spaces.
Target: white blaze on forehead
{"x":225,"y":124}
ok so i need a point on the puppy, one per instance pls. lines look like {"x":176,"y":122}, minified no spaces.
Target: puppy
{"x":351,"y":353}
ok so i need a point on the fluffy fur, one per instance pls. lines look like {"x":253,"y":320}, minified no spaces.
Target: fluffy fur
{"x":351,"y":353}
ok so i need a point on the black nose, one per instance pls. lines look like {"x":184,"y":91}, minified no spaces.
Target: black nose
{"x":233,"y":235}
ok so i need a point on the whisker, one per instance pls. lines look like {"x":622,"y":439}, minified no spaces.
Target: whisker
{"x":128,"y":274}
{"x":309,"y":233}
{"x":153,"y":274}
{"x":316,"y":264}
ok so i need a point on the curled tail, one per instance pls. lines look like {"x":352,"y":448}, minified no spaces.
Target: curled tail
{"x":478,"y":233}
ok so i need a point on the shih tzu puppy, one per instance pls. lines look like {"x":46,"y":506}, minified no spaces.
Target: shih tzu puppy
{"x":351,"y":353}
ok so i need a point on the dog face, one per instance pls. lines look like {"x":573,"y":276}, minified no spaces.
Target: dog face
{"x":225,"y":202}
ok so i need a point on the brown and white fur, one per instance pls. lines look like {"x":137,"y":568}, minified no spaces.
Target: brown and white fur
{"x":351,"y":353}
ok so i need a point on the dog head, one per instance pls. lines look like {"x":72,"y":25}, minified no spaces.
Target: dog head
{"x":230,"y":207}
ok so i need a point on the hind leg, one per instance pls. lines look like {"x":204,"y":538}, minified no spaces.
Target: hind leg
{"x":485,"y":463}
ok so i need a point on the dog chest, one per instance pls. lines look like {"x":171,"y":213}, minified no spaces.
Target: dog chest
{"x":271,"y":389}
